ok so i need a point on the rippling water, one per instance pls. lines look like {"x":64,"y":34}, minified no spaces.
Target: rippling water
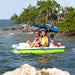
{"x":10,"y":61}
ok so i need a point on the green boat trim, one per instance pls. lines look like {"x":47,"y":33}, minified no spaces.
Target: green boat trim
{"x":41,"y":51}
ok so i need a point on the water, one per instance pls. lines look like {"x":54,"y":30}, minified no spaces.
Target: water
{"x":10,"y":61}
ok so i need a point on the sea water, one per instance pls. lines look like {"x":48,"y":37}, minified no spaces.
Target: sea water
{"x":10,"y":61}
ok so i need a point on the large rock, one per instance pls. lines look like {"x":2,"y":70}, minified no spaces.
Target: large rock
{"x":24,"y":28}
{"x":27,"y":28}
{"x":13,"y":29}
{"x":29,"y":70}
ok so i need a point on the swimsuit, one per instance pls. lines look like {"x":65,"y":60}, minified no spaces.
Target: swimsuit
{"x":37,"y":39}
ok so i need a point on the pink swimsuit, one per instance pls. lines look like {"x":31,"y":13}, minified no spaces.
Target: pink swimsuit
{"x":37,"y":39}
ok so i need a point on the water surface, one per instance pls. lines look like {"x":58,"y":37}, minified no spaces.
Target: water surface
{"x":10,"y":61}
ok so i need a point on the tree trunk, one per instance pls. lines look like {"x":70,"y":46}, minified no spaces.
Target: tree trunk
{"x":47,"y":14}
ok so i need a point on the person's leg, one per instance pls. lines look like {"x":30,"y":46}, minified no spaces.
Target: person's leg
{"x":36,"y":45}
{"x":32,"y":45}
{"x":29,"y":42}
{"x":59,"y":44}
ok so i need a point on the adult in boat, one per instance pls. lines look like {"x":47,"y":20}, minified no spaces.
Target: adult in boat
{"x":36,"y":41}
{"x":44,"y":40}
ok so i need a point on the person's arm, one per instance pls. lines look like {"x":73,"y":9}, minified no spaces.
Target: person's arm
{"x":47,"y":42}
{"x":52,"y":42}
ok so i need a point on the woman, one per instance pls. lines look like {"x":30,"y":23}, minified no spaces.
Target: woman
{"x":44,"y":40}
{"x":36,"y":41}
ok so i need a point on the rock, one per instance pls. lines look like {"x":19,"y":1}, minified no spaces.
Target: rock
{"x":20,"y":28}
{"x":23,"y":70}
{"x":4,"y":29}
{"x":26,"y":28}
{"x":12,"y":29}
{"x":29,"y":70}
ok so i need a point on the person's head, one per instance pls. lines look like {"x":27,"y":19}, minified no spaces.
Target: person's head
{"x":43,"y":33}
{"x":52,"y":40}
{"x":51,"y":35}
{"x":37,"y":33}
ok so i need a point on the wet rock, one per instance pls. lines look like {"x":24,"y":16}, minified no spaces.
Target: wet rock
{"x":29,"y":70}
{"x":20,"y":28}
{"x":26,"y":28}
{"x":4,"y":29}
{"x":12,"y":29}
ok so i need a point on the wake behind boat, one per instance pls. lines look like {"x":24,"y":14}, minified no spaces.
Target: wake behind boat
{"x":51,"y":49}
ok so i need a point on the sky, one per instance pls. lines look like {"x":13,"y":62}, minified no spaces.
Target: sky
{"x":9,"y":7}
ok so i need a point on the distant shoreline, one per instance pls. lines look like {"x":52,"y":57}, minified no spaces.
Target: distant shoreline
{"x":26,"y":28}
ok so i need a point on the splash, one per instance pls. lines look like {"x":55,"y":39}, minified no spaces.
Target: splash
{"x":73,"y":48}
{"x":15,"y":51}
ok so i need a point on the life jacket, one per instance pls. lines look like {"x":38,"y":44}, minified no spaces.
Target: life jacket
{"x":43,"y":40}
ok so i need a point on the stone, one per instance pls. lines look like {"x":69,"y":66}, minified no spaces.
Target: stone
{"x":30,"y":70}
{"x":24,"y":28}
{"x":27,"y":28}
{"x":20,"y":28}
{"x":12,"y":29}
{"x":4,"y":29}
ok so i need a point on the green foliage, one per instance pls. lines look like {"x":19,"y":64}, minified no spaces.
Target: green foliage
{"x":14,"y":17}
{"x":47,"y":10}
{"x":68,"y":23}
{"x":38,"y":14}
{"x":29,"y":22}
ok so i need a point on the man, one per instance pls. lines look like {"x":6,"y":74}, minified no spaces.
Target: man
{"x":44,"y":40}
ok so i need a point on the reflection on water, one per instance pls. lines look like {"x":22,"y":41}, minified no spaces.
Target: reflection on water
{"x":44,"y":58}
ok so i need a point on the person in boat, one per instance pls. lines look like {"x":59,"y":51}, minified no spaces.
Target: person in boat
{"x":52,"y":41}
{"x":51,"y":37}
{"x":36,"y":41}
{"x":44,"y":40}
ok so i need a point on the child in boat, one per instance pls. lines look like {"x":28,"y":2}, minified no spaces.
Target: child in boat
{"x":36,"y":41}
{"x":56,"y":45}
{"x":52,"y":41}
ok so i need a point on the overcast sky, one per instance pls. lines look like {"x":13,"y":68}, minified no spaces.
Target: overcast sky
{"x":9,"y":7}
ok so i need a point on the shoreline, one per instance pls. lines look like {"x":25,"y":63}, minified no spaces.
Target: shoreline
{"x":26,"y":29}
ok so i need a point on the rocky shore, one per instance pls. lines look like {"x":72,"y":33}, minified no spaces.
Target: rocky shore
{"x":66,"y":34}
{"x":30,"y":70}
{"x":28,"y":28}
{"x":21,"y":28}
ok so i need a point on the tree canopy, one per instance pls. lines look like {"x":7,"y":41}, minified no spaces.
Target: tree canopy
{"x":47,"y":10}
{"x":39,"y":14}
{"x":68,"y":23}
